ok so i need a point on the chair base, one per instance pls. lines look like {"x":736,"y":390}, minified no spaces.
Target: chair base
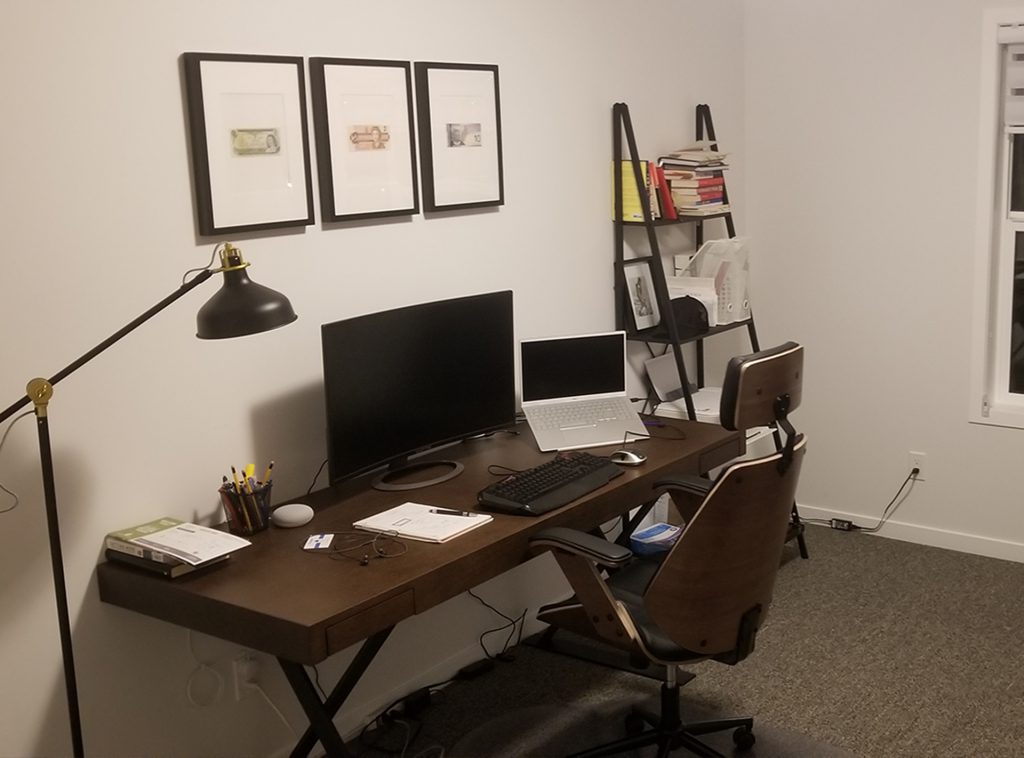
{"x":669,"y":732}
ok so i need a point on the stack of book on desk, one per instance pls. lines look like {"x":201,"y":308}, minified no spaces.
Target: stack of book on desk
{"x":171,"y":547}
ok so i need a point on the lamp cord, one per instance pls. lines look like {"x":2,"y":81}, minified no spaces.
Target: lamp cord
{"x":216,"y":252}
{"x":3,"y":439}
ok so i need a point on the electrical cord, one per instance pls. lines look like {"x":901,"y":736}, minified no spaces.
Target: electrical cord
{"x":216,"y":251}
{"x":316,"y":682}
{"x":274,"y":708}
{"x":202,"y":668}
{"x":511,"y":625}
{"x":365,"y":545}
{"x":3,"y":439}
{"x":316,"y":476}
{"x":385,"y":717}
{"x":845,"y":525}
{"x":895,"y":503}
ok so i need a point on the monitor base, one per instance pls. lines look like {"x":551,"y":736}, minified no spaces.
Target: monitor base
{"x":386,"y":481}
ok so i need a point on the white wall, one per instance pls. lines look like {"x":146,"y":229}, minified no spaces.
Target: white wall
{"x":862,"y":134}
{"x":98,"y":225}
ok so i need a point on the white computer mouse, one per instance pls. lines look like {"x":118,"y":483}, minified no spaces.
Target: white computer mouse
{"x":627,"y":457}
{"x":291,"y":514}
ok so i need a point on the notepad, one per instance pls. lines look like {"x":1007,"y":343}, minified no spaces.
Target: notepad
{"x":416,"y":521}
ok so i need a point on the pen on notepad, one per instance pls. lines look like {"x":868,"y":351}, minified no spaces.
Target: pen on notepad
{"x":446,"y":512}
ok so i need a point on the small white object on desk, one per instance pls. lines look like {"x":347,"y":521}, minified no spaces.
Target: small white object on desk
{"x":291,"y":514}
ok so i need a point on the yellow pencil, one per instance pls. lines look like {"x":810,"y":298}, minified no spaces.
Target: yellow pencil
{"x":241,"y":500}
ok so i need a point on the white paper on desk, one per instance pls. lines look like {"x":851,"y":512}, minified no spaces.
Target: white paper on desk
{"x":193,"y":543}
{"x":416,"y":521}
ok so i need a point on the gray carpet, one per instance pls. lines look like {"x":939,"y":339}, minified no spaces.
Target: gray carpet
{"x":874,"y":648}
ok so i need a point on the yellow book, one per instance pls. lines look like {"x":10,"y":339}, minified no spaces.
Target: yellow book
{"x":632,"y":210}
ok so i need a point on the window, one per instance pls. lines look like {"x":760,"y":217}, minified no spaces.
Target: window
{"x":997,"y":367}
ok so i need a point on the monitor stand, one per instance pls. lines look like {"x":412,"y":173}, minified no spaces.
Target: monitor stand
{"x":386,"y":480}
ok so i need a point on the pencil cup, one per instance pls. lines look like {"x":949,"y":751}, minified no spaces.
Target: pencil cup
{"x":247,"y":508}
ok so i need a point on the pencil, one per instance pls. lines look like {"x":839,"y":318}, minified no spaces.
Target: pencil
{"x":241,"y":500}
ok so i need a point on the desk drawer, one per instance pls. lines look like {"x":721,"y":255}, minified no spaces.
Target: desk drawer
{"x":359,"y":626}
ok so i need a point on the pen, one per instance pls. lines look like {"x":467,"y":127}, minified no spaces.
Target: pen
{"x":446,"y":512}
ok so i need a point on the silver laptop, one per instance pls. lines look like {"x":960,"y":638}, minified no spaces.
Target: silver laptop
{"x":574,"y":391}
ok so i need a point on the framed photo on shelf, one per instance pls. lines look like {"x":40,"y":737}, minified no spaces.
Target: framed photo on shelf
{"x":366,"y":154}
{"x":640,"y":291}
{"x":250,"y":149}
{"x":459,"y":119}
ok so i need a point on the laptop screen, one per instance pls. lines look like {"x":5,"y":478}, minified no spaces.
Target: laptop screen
{"x":573,"y":366}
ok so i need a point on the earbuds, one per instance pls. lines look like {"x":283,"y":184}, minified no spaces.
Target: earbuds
{"x":365,"y":561}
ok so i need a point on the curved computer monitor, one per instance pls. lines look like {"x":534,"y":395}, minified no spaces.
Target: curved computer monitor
{"x":400,"y":382}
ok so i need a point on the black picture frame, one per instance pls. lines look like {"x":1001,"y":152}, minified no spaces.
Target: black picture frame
{"x":249,"y":141}
{"x":458,"y":110}
{"x":365,"y":138}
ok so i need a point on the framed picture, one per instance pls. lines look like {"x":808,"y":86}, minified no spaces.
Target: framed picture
{"x":459,"y":118}
{"x":640,"y":290}
{"x":250,"y":150}
{"x":366,"y":154}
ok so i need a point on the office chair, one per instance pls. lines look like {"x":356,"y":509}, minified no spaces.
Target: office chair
{"x":746,"y":382}
{"x":709,"y":595}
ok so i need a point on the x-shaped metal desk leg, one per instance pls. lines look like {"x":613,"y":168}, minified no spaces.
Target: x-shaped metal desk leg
{"x":321,"y":712}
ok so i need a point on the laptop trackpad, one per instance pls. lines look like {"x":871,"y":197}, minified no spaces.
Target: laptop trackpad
{"x":588,"y":435}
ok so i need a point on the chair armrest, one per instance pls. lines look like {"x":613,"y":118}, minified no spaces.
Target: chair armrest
{"x":690,"y":485}
{"x":579,"y":543}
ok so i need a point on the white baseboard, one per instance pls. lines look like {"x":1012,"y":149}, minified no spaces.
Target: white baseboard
{"x":926,"y":535}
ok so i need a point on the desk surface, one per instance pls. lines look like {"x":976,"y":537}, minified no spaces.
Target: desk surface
{"x":304,"y":606}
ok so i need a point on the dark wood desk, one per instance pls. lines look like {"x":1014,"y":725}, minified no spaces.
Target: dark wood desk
{"x":302,"y":607}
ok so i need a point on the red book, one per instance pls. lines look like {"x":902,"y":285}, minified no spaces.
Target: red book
{"x":710,"y":181}
{"x":699,"y":194}
{"x":667,"y":206}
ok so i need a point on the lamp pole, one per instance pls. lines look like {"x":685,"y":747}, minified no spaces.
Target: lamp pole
{"x":239,"y":308}
{"x":39,"y":392}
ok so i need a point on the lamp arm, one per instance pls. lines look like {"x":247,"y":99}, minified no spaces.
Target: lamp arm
{"x":201,"y":277}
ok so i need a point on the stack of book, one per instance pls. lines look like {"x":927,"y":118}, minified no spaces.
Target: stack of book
{"x":656,"y":188}
{"x":695,"y":180}
{"x":171,"y":547}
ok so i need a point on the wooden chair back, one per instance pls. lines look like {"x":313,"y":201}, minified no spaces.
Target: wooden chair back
{"x":753,"y":383}
{"x":714,"y":587}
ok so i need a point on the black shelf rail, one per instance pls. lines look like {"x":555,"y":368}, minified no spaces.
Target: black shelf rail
{"x":667,"y":332}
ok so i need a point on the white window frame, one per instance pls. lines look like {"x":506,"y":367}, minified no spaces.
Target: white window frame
{"x":990,"y":400}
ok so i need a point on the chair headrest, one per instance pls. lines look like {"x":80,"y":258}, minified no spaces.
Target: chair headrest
{"x":756,"y":384}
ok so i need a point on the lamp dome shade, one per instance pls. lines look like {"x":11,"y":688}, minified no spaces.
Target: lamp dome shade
{"x":242,"y":307}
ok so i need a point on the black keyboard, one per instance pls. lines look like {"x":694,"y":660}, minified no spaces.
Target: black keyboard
{"x":567,"y":476}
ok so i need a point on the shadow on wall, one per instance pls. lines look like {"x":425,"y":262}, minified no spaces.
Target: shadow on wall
{"x":290,"y":430}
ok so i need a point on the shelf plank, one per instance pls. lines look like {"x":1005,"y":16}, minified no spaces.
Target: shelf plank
{"x":675,"y":221}
{"x":659,"y":334}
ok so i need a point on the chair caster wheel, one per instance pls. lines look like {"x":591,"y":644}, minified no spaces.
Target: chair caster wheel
{"x":634,"y":724}
{"x":743,"y":738}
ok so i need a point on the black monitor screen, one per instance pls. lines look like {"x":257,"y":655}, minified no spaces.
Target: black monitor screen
{"x":573,"y":366}
{"x":409,"y":379}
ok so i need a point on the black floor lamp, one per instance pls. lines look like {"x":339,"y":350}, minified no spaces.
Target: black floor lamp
{"x":240,"y":307}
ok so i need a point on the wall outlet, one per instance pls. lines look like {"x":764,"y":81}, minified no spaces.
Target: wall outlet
{"x":246,"y":669}
{"x":920,"y":462}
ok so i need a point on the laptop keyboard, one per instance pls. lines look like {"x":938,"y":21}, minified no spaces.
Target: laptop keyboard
{"x":579,"y":414}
